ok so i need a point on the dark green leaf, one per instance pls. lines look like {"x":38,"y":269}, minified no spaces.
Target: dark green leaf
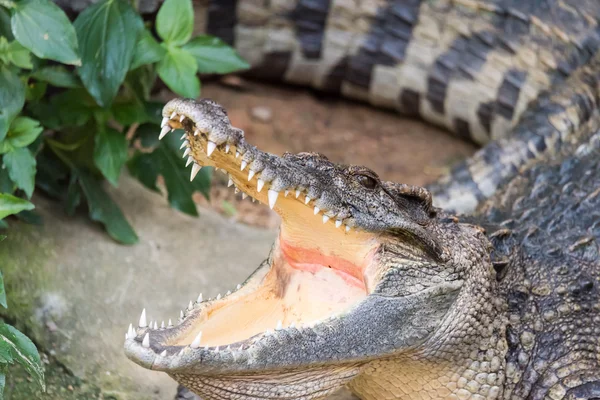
{"x":73,"y":196}
{"x":141,"y":80}
{"x":104,"y":210}
{"x":74,"y":106}
{"x":3,"y":225}
{"x":51,"y":173}
{"x":154,"y":112}
{"x":23,"y":131}
{"x":178,"y":71}
{"x":107,"y":33}
{"x":2,"y":292}
{"x":214,"y":55}
{"x":175,"y":21}
{"x":10,"y":204}
{"x":147,"y":50}
{"x":110,"y":153}
{"x":31,"y":217}
{"x":43,"y":28}
{"x":12,"y":98}
{"x":144,"y":167}
{"x":129,"y":111}
{"x":6,"y":185}
{"x":147,"y":135}
{"x":35,"y":91}
{"x":23,"y":351}
{"x":5,"y":29}
{"x":2,"y":384}
{"x":58,"y":76}
{"x":21,"y":169}
{"x":19,"y":55}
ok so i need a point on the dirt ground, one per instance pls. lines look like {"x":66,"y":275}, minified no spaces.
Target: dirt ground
{"x":279,"y":119}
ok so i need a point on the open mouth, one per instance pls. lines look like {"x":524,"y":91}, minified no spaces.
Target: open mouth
{"x":321,"y":266}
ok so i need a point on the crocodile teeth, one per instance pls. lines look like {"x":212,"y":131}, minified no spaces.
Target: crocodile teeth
{"x":306,"y":200}
{"x":143,"y":322}
{"x":173,"y":115}
{"x":250,"y":174}
{"x":243,"y":165}
{"x":244,"y":195}
{"x":272,"y":195}
{"x":146,"y":341}
{"x":238,"y":287}
{"x":165,"y":129}
{"x":297,"y":193}
{"x":189,"y":161}
{"x":219,"y":296}
{"x":196,"y":132}
{"x":164,"y":353}
{"x":162,"y":325}
{"x":338,"y":223}
{"x":155,"y":325}
{"x":228,"y":293}
{"x":347,"y":228}
{"x":181,"y":118}
{"x":237,"y":154}
{"x":268,"y":332}
{"x":170,"y":323}
{"x":181,"y":314}
{"x":236,"y":190}
{"x":230,"y":183}
{"x":195,"y":169}
{"x":325,"y":218}
{"x":190,"y":305}
{"x":185,"y":143}
{"x":259,"y":184}
{"x":316,"y":210}
{"x":279,"y":325}
{"x":217,"y":349}
{"x":227,"y":148}
{"x":199,"y":298}
{"x":206,"y":348}
{"x":164,"y":122}
{"x":210,"y":147}
{"x":293,"y":325}
{"x":130,"y":332}
{"x":196,"y":343}
{"x":186,"y":152}
{"x":285,"y":193}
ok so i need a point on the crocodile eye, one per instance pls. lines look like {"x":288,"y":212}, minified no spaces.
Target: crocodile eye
{"x":367,"y":181}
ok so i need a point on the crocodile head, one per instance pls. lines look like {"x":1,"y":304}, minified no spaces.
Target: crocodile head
{"x":361,"y":270}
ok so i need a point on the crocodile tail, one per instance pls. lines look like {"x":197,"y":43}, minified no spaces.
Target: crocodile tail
{"x":557,"y":123}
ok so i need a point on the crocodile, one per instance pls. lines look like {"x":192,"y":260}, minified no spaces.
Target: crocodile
{"x":370,"y":286}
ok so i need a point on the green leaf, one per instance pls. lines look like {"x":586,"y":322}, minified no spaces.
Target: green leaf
{"x":10,"y":204}
{"x":110,"y":153}
{"x":42,"y":27}
{"x":21,"y":169}
{"x":147,"y":135}
{"x":34,"y":91}
{"x":175,"y":21}
{"x":214,"y":55}
{"x":58,"y":76}
{"x":23,"y":131}
{"x":128,"y":111}
{"x":2,"y":384}
{"x":107,"y":33}
{"x":18,"y":55}
{"x":74,"y":106}
{"x":141,"y":80}
{"x":147,"y":50}
{"x":73,"y":195}
{"x":104,"y":210}
{"x":2,"y":292}
{"x":6,"y":185}
{"x":23,"y":351}
{"x":145,"y":168}
{"x":12,"y":98}
{"x":178,"y":72}
{"x":5,"y":24}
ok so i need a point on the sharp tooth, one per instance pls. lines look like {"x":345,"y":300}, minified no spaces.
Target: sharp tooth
{"x":196,"y":343}
{"x":195,"y":169}
{"x":238,"y":287}
{"x":228,"y":347}
{"x":259,"y":184}
{"x":185,"y":143}
{"x":162,"y":325}
{"x":143,"y":322}
{"x":244,"y":195}
{"x":230,"y":183}
{"x":163,"y":354}
{"x":272,"y":195}
{"x":217,"y":349}
{"x":285,"y":193}
{"x":219,"y":296}
{"x":306,"y":200}
{"x":190,"y":305}
{"x":297,"y":193}
{"x":253,"y":200}
{"x":210,"y":147}
{"x":237,"y":154}
{"x":347,"y":228}
{"x":173,"y":115}
{"x":293,"y":325}
{"x":196,"y":132}
{"x":243,"y":165}
{"x":189,"y":161}
{"x":236,"y":190}
{"x":164,"y":122}
{"x":180,"y":314}
{"x":241,"y":347}
{"x":155,"y":325}
{"x":279,"y":325}
{"x":267,"y":332}
{"x":228,"y":293}
{"x":146,"y":341}
{"x":166,"y":129}
{"x":325,"y":218}
{"x":250,"y":174}
{"x":316,"y":210}
{"x":199,"y":298}
{"x":186,"y":152}
{"x":181,"y":118}
{"x":206,"y":348}
{"x":170,"y":323}
{"x":227,"y":148}
{"x":128,"y":334}
{"x":338,"y":223}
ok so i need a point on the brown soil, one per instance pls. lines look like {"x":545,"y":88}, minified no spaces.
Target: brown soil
{"x":279,"y":119}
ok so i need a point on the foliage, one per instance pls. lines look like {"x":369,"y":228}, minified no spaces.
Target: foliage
{"x":76,"y":106}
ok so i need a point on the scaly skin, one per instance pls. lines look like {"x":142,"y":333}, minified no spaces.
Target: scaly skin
{"x":435,"y":319}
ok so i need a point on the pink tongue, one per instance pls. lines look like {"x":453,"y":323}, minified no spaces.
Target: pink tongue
{"x":313,"y":261}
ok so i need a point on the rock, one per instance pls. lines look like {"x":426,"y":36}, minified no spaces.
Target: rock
{"x":75,"y":291}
